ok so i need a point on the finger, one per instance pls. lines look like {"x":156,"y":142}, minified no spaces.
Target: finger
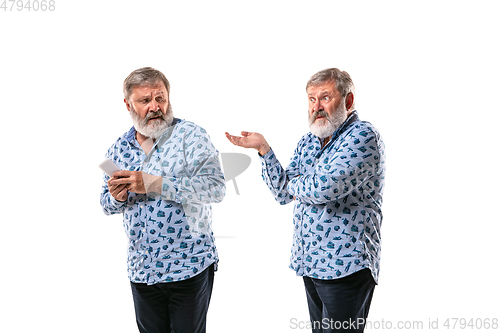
{"x":230,"y":136}
{"x":232,"y":139}
{"x":121,"y":195}
{"x":238,"y":141}
{"x":121,"y":174}
{"x":121,"y":180}
{"x":122,"y":192}
{"x":111,"y":185}
{"x":117,"y":189}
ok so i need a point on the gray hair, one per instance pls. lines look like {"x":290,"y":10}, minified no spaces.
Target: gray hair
{"x":343,"y":81}
{"x":146,"y":76}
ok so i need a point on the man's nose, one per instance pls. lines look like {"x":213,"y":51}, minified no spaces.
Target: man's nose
{"x":316,"y":106}
{"x":153,"y":106}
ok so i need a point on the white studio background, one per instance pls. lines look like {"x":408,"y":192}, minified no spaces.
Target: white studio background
{"x":426,"y":74}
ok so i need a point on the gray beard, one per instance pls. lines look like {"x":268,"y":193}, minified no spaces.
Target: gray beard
{"x":155,"y":128}
{"x":332,"y":123}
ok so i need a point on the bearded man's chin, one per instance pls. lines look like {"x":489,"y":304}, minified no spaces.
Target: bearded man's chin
{"x":323,"y":131}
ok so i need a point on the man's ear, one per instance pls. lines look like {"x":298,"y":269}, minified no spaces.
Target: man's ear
{"x":127,"y":104}
{"x":349,"y":101}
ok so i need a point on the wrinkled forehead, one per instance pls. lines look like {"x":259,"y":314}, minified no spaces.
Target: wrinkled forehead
{"x":155,"y":89}
{"x":327,"y":86}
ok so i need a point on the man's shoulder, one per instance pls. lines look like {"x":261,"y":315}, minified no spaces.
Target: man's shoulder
{"x":121,"y":144}
{"x":308,"y":137}
{"x":305,"y":142}
{"x":365,"y":129}
{"x":124,"y":138}
{"x":187,"y":127}
{"x":361,"y":132}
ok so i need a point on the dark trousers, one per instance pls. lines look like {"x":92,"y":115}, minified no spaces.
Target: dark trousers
{"x":340,"y":305}
{"x":174,"y":307}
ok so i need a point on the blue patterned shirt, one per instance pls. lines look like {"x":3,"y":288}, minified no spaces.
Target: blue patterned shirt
{"x":337,"y":192}
{"x":170,"y":236}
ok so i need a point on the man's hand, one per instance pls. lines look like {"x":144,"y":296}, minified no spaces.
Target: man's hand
{"x":130,"y":180}
{"x":133,"y":181}
{"x":119,"y":192}
{"x":250,"y":140}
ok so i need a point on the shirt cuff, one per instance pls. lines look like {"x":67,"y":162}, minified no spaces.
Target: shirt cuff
{"x":115,"y":203}
{"x":270,"y":152}
{"x":269,"y":158}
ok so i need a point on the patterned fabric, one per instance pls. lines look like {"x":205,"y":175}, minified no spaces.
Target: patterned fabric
{"x":170,"y":236}
{"x":338,"y":196}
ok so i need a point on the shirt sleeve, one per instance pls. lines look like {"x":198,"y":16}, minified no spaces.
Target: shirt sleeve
{"x":277,"y":178}
{"x":203,"y":182}
{"x":354,"y":165}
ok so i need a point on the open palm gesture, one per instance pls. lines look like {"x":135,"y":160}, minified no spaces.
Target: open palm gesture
{"x":250,"y":140}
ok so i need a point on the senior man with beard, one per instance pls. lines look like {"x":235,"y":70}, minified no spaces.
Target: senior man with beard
{"x":336,"y":179}
{"x":170,"y":176}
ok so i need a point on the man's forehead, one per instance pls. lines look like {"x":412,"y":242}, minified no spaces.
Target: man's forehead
{"x":328,"y":86}
{"x":147,"y":89}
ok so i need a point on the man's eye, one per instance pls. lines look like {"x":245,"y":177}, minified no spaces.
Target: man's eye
{"x":326,"y":98}
{"x":311,"y":100}
{"x":160,"y":100}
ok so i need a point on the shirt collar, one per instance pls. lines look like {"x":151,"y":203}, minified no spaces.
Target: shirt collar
{"x":130,"y":136}
{"x":352,"y":118}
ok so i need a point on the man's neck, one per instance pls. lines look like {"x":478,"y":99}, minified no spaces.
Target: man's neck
{"x":141,"y":138}
{"x":145,"y":142}
{"x":325,"y":141}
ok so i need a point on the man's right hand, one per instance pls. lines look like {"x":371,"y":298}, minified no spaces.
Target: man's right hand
{"x":250,"y":140}
{"x":119,"y":192}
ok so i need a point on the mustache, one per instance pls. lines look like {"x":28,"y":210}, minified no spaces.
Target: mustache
{"x":319,"y":113}
{"x":156,"y":114}
{"x":151,"y":115}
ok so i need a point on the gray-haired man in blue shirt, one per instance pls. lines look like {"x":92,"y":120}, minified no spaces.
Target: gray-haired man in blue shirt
{"x":336,"y":180}
{"x":170,"y":174}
